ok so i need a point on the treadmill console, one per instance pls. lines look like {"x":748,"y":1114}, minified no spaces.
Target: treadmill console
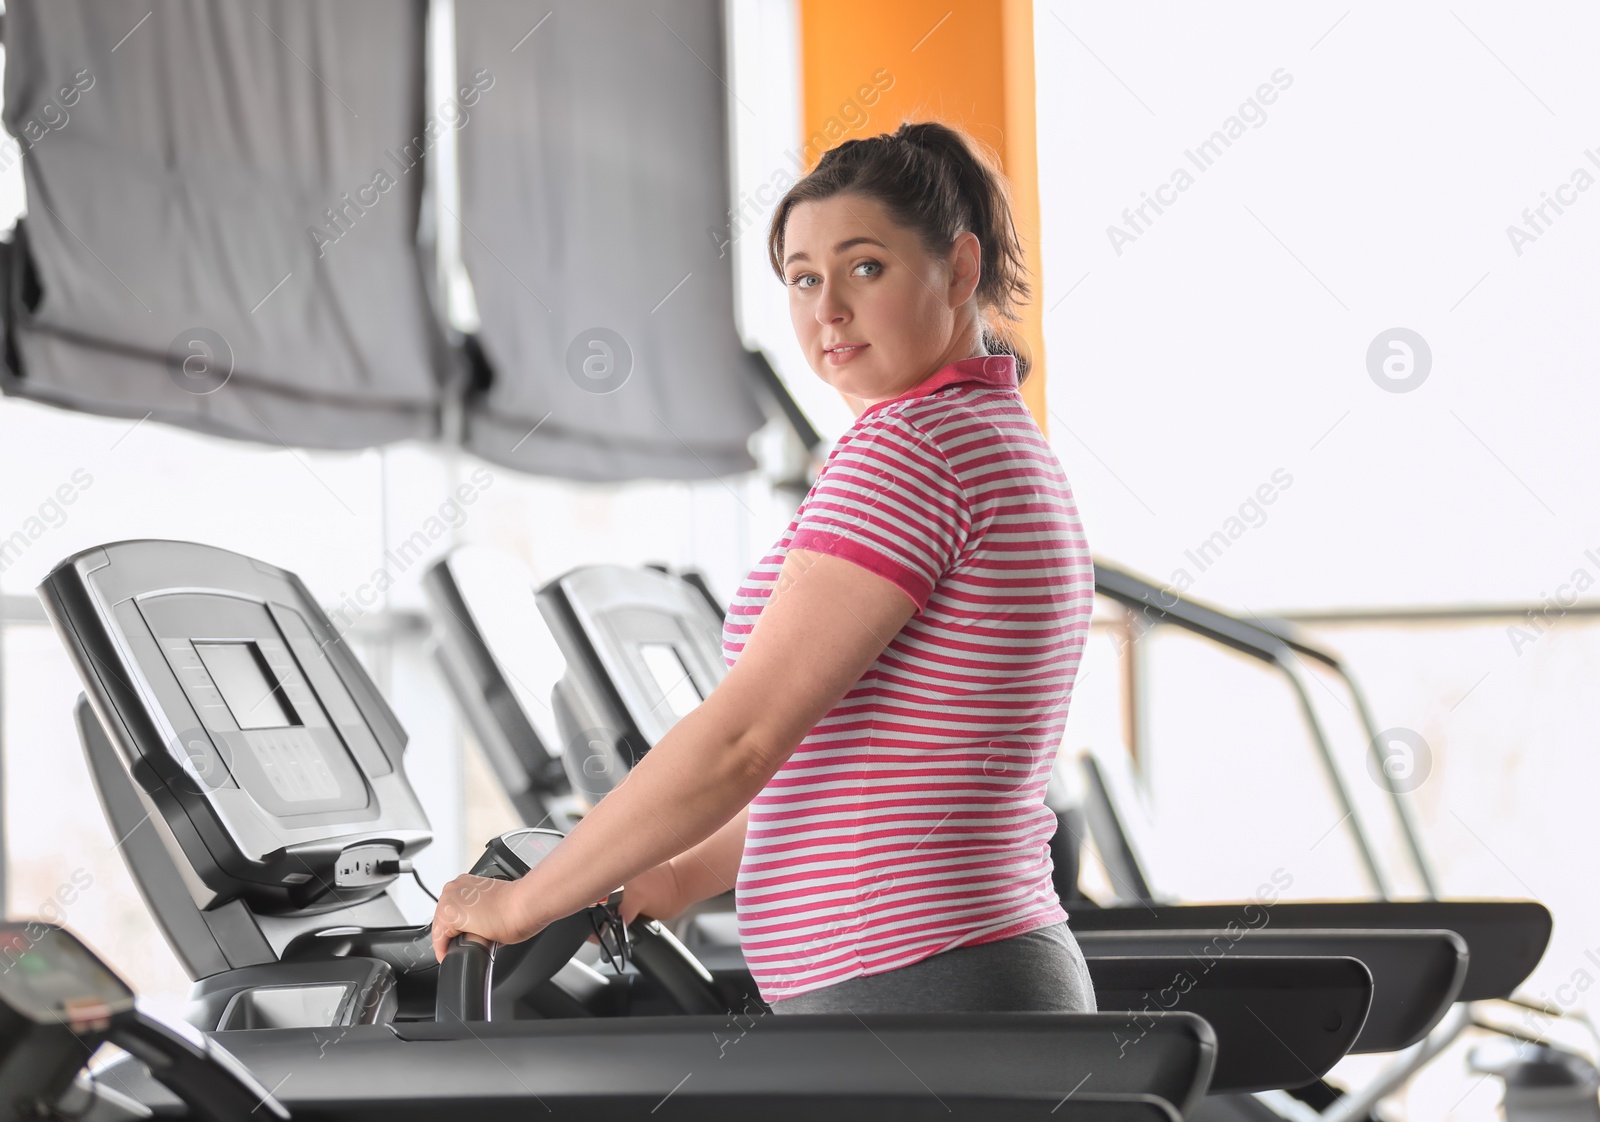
{"x":59,"y":1002}
{"x":246,"y":723}
{"x":262,"y":726}
{"x":643,"y":648}
{"x":501,"y":664}
{"x":49,"y":978}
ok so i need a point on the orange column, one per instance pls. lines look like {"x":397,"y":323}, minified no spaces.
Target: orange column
{"x":866,"y":66}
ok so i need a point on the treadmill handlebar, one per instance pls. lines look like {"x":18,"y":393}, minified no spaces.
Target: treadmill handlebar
{"x":464,"y":976}
{"x":202,"y":1073}
{"x":1158,"y":603}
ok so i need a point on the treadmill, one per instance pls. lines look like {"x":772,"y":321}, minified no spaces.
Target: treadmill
{"x":495,"y":652}
{"x":639,"y":647}
{"x":1499,"y":942}
{"x":506,"y":651}
{"x":257,"y":778}
{"x":604,"y":619}
{"x":566,"y":686}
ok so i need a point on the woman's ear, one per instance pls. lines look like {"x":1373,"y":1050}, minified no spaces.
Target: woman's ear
{"x":966,"y":267}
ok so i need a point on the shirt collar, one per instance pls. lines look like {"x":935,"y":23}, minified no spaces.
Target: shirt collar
{"x":993,"y":370}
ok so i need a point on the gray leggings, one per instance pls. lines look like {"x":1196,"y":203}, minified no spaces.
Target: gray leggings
{"x":1042,"y":970}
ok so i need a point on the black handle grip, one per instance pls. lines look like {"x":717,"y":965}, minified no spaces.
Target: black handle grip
{"x":205,"y":1075}
{"x":463,"y":981}
{"x":687,"y":982}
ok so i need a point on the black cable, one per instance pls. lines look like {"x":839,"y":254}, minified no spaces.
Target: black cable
{"x":418,"y":878}
{"x":394,"y":866}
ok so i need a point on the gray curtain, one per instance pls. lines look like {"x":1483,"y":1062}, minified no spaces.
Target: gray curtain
{"x":222,"y":216}
{"x":594,"y":178}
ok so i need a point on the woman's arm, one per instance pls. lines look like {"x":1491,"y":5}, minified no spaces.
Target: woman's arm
{"x":710,"y":868}
{"x":825,"y":624}
{"x":672,"y":887}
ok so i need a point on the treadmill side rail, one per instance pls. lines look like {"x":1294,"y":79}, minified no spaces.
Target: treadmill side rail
{"x":1416,"y":975}
{"x":1505,"y":938}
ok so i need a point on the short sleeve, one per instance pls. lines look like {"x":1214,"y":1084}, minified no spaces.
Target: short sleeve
{"x":887,"y":500}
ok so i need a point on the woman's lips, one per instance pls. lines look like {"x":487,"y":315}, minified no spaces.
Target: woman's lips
{"x":842,"y":355}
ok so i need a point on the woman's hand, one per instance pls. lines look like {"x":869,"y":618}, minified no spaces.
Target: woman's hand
{"x":495,"y":909}
{"x":654,"y":892}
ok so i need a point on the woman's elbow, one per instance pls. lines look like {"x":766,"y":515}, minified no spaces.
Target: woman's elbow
{"x":755,"y":758}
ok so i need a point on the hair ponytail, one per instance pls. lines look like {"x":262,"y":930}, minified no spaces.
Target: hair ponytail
{"x":999,"y":340}
{"x":938,"y":181}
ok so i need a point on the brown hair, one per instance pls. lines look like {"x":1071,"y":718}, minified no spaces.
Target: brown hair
{"x":936,"y":180}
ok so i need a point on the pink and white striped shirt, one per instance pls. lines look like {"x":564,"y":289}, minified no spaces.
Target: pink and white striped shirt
{"x":911,"y":819}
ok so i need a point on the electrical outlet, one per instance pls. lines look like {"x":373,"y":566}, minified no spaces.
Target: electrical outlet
{"x":358,"y":866}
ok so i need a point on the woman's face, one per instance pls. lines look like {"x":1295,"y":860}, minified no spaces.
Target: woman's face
{"x":875,"y":312}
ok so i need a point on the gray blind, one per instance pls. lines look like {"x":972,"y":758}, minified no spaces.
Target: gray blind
{"x":223,"y":189}
{"x":594,"y":172}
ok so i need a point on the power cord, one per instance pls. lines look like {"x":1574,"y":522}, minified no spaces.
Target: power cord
{"x":406,"y":867}
{"x":417,"y":877}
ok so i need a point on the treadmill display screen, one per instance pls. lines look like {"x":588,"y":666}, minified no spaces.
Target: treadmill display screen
{"x":51,"y":978}
{"x":252,"y":692}
{"x":671,"y":676}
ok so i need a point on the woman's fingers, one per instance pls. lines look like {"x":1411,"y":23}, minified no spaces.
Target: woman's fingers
{"x":492,"y":909}
{"x":459,"y":903}
{"x":443,"y":932}
{"x":447,"y":919}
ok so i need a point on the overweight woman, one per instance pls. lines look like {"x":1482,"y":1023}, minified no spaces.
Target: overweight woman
{"x":869,"y":777}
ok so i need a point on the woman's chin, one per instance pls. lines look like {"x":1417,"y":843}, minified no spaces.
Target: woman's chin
{"x":850,"y":383}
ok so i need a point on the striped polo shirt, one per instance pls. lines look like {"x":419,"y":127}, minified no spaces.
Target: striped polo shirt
{"x":911,"y":819}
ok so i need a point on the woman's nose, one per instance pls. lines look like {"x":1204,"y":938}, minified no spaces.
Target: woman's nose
{"x":831,"y":309}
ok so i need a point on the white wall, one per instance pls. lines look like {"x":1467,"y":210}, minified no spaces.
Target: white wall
{"x":1229,"y":340}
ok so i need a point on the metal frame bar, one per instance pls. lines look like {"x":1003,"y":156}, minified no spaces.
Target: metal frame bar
{"x":1158,"y":604}
{"x":1283,"y":623}
{"x":1358,"y":1104}
{"x":1325,"y":751}
{"x":1337,"y":665}
{"x":1277,"y":641}
{"x":1434,"y":615}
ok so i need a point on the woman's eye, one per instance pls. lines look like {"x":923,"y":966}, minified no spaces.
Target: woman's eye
{"x":799,"y":281}
{"x":870,"y":265}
